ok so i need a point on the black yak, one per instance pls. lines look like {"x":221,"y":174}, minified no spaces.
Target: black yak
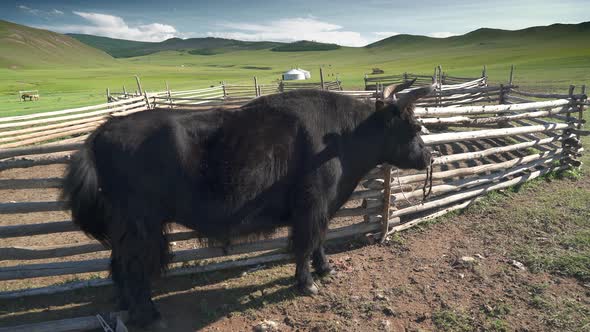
{"x":289,"y":159}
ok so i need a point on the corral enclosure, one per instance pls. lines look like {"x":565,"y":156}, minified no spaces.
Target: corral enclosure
{"x":490,"y":137}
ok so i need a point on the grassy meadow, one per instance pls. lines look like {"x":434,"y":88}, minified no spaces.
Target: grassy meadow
{"x":547,"y":58}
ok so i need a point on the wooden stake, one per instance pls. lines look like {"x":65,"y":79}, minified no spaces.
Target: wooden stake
{"x":581,"y":112}
{"x":386,"y":202}
{"x":138,"y":85}
{"x":511,"y":75}
{"x":256,"y":87}
{"x":321,"y":79}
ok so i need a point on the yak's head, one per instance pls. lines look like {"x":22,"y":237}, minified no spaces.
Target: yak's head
{"x":403,"y":146}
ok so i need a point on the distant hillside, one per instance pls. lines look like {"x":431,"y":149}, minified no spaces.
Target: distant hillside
{"x":305,"y":46}
{"x":120,"y":48}
{"x":491,"y":37}
{"x":26,"y":47}
{"x":117,"y":48}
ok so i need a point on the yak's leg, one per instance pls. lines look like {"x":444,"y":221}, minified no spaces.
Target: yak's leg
{"x":320,"y":262}
{"x":309,"y":227}
{"x":138,"y":256}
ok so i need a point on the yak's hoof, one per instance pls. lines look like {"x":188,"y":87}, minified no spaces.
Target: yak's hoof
{"x":308,"y":289}
{"x":144,"y":316}
{"x":326,"y":272}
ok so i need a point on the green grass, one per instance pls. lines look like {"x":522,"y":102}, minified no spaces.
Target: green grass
{"x":550,"y":64}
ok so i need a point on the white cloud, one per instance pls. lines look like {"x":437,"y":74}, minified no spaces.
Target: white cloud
{"x":385,"y":34}
{"x":292,"y":29}
{"x":115,"y":27}
{"x":442,"y":34}
{"x":39,"y":12}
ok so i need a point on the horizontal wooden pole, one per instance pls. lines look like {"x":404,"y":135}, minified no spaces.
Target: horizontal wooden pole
{"x":48,"y":127}
{"x":491,"y":133}
{"x":36,"y":161}
{"x":96,"y":265}
{"x":66,"y":325}
{"x":37,"y":229}
{"x":68,"y":111}
{"x":463,"y":120}
{"x":490,"y":109}
{"x":545,"y":95}
{"x":31,"y":183}
{"x":473,"y":170}
{"x":72,"y":116}
{"x":479,"y":180}
{"x":432,"y":216}
{"x":30,"y":207}
{"x":496,"y":150}
{"x":42,"y":149}
{"x":43,"y":138}
{"x":474,"y":192}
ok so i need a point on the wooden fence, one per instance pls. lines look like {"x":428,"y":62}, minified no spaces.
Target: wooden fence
{"x":377,"y":81}
{"x":483,"y":147}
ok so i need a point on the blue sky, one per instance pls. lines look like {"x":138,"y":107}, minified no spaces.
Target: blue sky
{"x":346,"y":22}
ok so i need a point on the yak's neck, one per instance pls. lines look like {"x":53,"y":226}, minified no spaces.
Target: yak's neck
{"x":361,"y":151}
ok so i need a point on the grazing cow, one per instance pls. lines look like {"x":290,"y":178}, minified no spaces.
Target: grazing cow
{"x":289,"y":159}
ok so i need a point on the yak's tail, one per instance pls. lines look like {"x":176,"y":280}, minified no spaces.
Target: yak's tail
{"x":81,"y":193}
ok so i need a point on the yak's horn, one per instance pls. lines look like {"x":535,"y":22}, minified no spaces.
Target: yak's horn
{"x":391,"y":90}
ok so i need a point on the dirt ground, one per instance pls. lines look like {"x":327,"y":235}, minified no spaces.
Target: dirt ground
{"x":419,"y":281}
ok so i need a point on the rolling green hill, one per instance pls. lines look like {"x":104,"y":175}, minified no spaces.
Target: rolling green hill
{"x":121,"y":48}
{"x":305,"y":46}
{"x":492,"y":37}
{"x":26,"y":47}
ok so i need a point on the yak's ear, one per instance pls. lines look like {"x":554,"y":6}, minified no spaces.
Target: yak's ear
{"x":390,"y":91}
{"x":379,"y":104}
{"x":409,"y":98}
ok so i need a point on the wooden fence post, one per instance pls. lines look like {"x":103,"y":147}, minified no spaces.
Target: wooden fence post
{"x":138,"y":85}
{"x":502,"y":95}
{"x":169,"y":94}
{"x":321,"y":78}
{"x":435,"y":76}
{"x":256,"y":86}
{"x":405,"y":77}
{"x":224,"y":90}
{"x":511,"y":75}
{"x":366,"y":78}
{"x":581,"y":111}
{"x":386,"y":201}
{"x":108,"y":95}
{"x":124,"y":91}
{"x":440,"y":75}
